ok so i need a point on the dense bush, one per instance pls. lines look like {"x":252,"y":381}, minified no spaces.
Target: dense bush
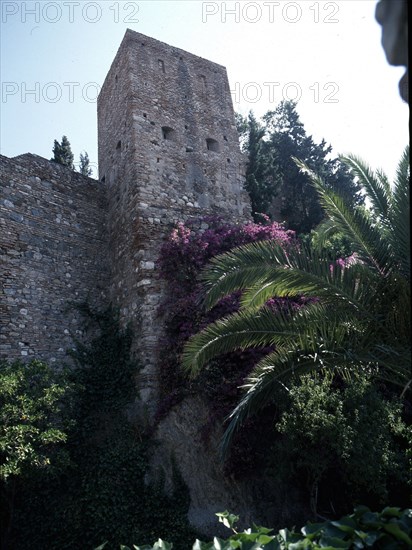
{"x":183,"y":255}
{"x":32,"y":423}
{"x":345,"y":442}
{"x":101,"y":494}
{"x":33,"y":428}
{"x":390,"y":529}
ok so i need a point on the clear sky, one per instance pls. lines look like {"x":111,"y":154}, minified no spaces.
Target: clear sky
{"x":56,"y":54}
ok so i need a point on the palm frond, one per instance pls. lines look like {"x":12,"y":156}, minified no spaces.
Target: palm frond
{"x":312,"y":276}
{"x":369,"y":242}
{"x":400,"y":216}
{"x":375,"y":184}
{"x":259,"y":271}
{"x":241,"y":330}
{"x":305,"y":328}
{"x":241,"y":268}
{"x":262,"y":386}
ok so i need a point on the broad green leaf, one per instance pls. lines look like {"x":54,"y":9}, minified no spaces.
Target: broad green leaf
{"x":346,"y":524}
{"x":391,"y":512}
{"x":334,"y":542}
{"x":396,"y":531}
{"x":312,"y":528}
{"x":229,"y":520}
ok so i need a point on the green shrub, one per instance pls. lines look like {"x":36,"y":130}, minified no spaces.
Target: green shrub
{"x":344,"y":436}
{"x":31,"y":421}
{"x":33,"y":429}
{"x":101,"y":494}
{"x":390,"y":529}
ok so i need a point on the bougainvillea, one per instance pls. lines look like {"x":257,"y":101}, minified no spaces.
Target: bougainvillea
{"x":188,"y":249}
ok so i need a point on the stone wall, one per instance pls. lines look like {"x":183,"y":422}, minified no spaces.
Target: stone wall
{"x":53,"y":247}
{"x":168,"y":151}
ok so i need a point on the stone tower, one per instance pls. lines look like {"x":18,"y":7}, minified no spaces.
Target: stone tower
{"x":168,"y":151}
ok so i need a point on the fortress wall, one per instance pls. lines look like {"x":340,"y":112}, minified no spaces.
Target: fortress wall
{"x":168,"y":151}
{"x":53,"y":249}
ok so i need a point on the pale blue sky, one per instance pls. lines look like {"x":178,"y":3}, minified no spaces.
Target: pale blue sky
{"x":328,"y":53}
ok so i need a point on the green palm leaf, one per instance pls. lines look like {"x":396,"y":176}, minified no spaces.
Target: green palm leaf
{"x":376,"y":185}
{"x":367,"y":240}
{"x":241,"y":268}
{"x":239,"y":331}
{"x":400,"y":216}
{"x":361,"y":319}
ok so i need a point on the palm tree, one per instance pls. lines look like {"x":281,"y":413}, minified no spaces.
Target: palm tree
{"x":360,"y":318}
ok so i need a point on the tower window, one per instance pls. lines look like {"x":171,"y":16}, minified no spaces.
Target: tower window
{"x":212,"y":145}
{"x":168,"y":133}
{"x":161,"y":64}
{"x":119,"y":146}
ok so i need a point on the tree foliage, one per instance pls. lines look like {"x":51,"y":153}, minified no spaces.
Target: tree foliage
{"x":84,"y":166}
{"x":62,"y":153}
{"x":33,"y":429}
{"x":328,"y":428}
{"x":360,"y":319}
{"x":274,"y":182}
{"x":31,"y":422}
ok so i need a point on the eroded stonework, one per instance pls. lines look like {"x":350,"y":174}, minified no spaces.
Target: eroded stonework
{"x":53,"y":249}
{"x":168,"y":151}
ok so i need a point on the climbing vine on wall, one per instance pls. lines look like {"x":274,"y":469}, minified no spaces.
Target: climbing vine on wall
{"x":101,"y":495}
{"x":267,"y":443}
{"x":186,"y":251}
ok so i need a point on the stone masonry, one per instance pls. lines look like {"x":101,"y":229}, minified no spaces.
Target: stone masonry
{"x":53,"y":251}
{"x":168,"y":150}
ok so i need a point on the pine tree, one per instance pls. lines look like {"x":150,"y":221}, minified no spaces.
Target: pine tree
{"x":84,"y":166}
{"x":275,"y":184}
{"x":259,"y":174}
{"x":63,"y":153}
